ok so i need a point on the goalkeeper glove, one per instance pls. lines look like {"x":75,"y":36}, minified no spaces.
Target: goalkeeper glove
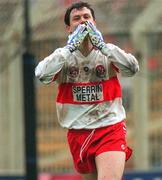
{"x":76,"y":38}
{"x":96,"y":37}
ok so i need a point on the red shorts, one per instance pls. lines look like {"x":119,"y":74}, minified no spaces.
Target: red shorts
{"x":85,"y":145}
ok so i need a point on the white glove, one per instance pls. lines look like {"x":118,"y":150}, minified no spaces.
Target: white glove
{"x":95,"y":36}
{"x":76,"y":38}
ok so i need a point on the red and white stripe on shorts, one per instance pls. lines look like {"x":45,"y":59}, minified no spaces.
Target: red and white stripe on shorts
{"x":85,"y":145}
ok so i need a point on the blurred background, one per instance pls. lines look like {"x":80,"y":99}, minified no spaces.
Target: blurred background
{"x":32,"y":144}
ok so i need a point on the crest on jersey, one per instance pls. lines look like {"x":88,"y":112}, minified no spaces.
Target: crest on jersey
{"x":73,"y":71}
{"x":100,"y":71}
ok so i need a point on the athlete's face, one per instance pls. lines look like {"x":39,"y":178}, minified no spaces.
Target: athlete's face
{"x":79,"y":16}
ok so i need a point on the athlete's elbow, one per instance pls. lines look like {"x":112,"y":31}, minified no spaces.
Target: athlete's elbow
{"x":38,"y":72}
{"x":129,"y":72}
{"x":133,"y":70}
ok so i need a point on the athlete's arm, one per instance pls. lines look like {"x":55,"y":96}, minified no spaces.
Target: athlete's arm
{"x":48,"y":69}
{"x":126,"y":63}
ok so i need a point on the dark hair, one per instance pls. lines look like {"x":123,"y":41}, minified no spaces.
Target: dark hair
{"x":78,"y":5}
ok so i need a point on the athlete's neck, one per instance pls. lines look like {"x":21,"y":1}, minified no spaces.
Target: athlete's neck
{"x":86,"y":47}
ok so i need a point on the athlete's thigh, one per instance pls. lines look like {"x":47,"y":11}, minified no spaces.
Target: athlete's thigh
{"x":110,"y":165}
{"x":91,"y":176}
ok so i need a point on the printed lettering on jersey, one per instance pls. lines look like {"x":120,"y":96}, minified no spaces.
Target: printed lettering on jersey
{"x":87,"y":93}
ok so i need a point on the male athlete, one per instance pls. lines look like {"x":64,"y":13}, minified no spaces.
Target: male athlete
{"x":89,"y":101}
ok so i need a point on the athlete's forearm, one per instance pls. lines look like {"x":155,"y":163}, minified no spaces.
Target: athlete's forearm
{"x":49,"y":68}
{"x":126,"y":63}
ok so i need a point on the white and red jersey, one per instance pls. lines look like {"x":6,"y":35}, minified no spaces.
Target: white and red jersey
{"x":88,"y":97}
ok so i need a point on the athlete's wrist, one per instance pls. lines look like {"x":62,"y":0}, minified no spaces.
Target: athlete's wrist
{"x":70,"y":48}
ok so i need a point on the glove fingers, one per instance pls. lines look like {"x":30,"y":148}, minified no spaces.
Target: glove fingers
{"x":91,"y":25}
{"x":79,"y":30}
{"x":83,"y":28}
{"x":77,"y":37}
{"x":84,"y":34}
